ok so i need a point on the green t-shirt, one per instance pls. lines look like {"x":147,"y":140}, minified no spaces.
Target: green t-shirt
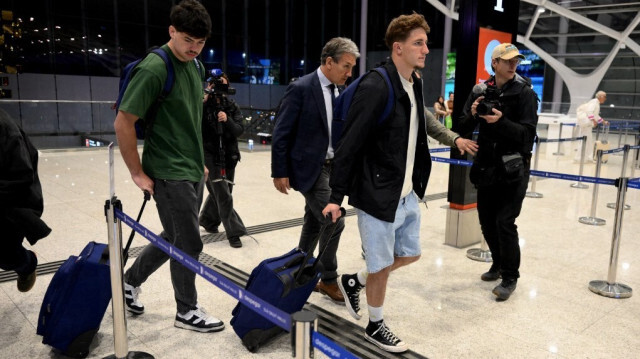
{"x":173,"y":149}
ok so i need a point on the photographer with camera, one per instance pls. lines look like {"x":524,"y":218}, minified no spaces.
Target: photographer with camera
{"x":221,"y":126}
{"x":505,"y":110}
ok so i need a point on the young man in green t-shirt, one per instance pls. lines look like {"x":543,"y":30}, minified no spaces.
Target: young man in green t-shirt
{"x":172,"y":167}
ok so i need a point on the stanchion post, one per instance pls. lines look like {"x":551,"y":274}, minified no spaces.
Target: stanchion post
{"x":559,"y":152}
{"x":637,"y":161}
{"x":610,"y":288}
{"x":619,"y":137}
{"x":534,"y":179}
{"x":303,"y":324}
{"x":622,"y":174}
{"x":482,"y":254}
{"x":592,"y":219}
{"x":583,"y":150}
{"x":114,"y":233}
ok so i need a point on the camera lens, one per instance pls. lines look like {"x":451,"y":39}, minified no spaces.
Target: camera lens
{"x":484,"y":108}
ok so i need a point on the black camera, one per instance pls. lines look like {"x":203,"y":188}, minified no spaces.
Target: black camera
{"x":490,"y":101}
{"x":219,"y":88}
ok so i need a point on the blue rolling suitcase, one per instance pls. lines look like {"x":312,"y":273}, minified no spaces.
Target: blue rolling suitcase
{"x":76,"y":301}
{"x":77,"y":298}
{"x":286,"y":282}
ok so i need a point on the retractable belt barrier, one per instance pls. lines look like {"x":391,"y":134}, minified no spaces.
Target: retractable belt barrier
{"x":436,"y":150}
{"x":329,"y":348}
{"x":614,"y":150}
{"x":268,"y":311}
{"x":275,"y":315}
{"x":562,"y":176}
{"x":633,"y":183}
{"x":561,"y":139}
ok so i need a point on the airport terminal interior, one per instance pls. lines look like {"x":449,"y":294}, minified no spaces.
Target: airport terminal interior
{"x":439,"y":305}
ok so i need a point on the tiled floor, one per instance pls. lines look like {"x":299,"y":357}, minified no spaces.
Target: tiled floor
{"x":438,"y":305}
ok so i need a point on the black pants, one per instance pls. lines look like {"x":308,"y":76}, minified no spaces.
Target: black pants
{"x":218,"y":207}
{"x":498,"y":207}
{"x":315,"y":200}
{"x":13,"y":256}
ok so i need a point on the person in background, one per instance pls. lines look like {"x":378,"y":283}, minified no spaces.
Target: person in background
{"x":302,"y":152}
{"x":221,"y":127}
{"x":449,"y":103}
{"x":172,"y":167}
{"x":588,"y":118}
{"x":21,"y":202}
{"x":440,"y":109}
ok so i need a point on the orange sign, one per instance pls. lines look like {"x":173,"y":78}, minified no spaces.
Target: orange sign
{"x":487,"y":41}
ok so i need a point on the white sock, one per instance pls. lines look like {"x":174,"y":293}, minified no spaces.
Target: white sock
{"x":375,"y":314}
{"x":362,"y":276}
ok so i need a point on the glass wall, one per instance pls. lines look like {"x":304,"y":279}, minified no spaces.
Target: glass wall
{"x":254,"y":41}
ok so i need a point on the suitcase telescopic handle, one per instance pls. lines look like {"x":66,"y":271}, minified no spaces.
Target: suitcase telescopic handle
{"x":328,"y":222}
{"x":125,"y":251}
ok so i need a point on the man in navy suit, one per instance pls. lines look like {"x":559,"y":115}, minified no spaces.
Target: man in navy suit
{"x":302,"y":151}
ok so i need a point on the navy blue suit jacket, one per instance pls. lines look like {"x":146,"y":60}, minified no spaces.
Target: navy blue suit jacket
{"x":301,"y":135}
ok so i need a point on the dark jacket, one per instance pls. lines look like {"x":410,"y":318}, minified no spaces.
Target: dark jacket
{"x":230,"y":131}
{"x":301,"y":134}
{"x":21,"y":202}
{"x":514,"y":132}
{"x":369,"y":164}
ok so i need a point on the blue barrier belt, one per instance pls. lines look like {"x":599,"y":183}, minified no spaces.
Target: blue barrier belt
{"x":435,"y":150}
{"x":634,"y":147}
{"x":329,"y":348}
{"x":452,"y":161}
{"x":536,"y":173}
{"x":273,"y":314}
{"x":613,"y":150}
{"x":560,"y":139}
{"x":568,"y":177}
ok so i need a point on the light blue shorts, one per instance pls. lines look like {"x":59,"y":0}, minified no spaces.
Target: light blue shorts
{"x":382,"y":241}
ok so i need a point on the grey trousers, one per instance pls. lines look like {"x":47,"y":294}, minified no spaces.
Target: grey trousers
{"x":315,"y":200}
{"x":178,"y":203}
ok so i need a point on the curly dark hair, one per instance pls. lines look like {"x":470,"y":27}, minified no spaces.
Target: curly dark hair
{"x":190,"y":17}
{"x":400,"y":27}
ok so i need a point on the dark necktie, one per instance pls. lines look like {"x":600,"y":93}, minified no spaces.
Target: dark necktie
{"x":332,"y":88}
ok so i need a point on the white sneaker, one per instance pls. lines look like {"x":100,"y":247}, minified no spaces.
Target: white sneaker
{"x":198,"y":320}
{"x":131,"y":294}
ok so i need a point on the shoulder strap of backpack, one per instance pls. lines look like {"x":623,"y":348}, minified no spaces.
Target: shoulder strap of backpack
{"x":166,"y":90}
{"x":390,"y":99}
{"x":168,"y":83}
{"x":200,"y":68}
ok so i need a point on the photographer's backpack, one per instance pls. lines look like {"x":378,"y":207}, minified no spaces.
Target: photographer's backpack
{"x":343,"y":102}
{"x":144,"y":125}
